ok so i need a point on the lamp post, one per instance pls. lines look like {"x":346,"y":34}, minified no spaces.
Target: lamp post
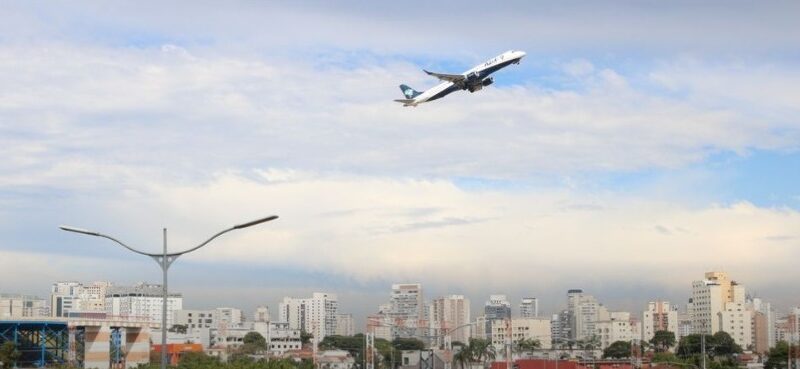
{"x":164,"y":260}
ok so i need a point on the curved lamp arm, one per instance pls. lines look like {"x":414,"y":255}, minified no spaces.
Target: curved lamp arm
{"x":98,"y":234}
{"x":238,"y":226}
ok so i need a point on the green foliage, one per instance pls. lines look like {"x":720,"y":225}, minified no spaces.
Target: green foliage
{"x":9,"y":354}
{"x":527,"y":345}
{"x":618,"y":350}
{"x":666,"y":357}
{"x":724,"y":345}
{"x":691,"y":345}
{"x":476,"y":351}
{"x":305,"y":337}
{"x":663,"y":340}
{"x":253,"y":342}
{"x":408,"y":344}
{"x":777,"y":356}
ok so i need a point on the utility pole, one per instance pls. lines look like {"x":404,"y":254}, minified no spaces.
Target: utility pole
{"x":703,"y":348}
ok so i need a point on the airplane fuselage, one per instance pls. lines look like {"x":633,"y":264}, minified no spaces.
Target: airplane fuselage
{"x":473,"y":79}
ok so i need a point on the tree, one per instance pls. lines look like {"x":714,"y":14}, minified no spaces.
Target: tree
{"x":691,"y":345}
{"x":305,"y":337}
{"x":618,"y":350}
{"x":526,"y":345}
{"x":254,"y":338}
{"x":777,"y":356}
{"x":9,"y":354}
{"x":663,"y":340}
{"x":724,"y":345}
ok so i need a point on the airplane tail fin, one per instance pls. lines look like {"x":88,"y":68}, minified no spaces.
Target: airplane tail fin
{"x":409,"y":92}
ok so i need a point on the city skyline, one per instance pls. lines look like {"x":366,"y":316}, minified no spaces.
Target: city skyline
{"x":628,"y":148}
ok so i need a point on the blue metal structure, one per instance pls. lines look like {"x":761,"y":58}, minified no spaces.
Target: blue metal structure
{"x":40,"y":343}
{"x":116,"y":346}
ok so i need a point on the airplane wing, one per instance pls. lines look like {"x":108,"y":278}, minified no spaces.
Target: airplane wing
{"x":455,"y":78}
{"x":406,"y":102}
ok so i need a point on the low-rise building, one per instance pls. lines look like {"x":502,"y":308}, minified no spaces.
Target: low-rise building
{"x":620,"y":327}
{"x":21,"y":306}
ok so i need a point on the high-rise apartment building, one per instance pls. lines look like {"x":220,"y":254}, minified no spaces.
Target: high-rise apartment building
{"x":496,"y":308}
{"x":709,"y":297}
{"x":315,"y":315}
{"x":659,"y":316}
{"x":559,"y":328}
{"x":142,"y":300}
{"x":407,"y":310}
{"x":763,"y":324}
{"x":345,"y":325}
{"x":448,"y":313}
{"x":736,"y":320}
{"x":584,"y":311}
{"x":529,"y":308}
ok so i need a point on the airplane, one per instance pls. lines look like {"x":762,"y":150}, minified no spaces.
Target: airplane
{"x":472,"y":80}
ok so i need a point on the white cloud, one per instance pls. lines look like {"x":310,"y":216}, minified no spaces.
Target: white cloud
{"x":167,"y":110}
{"x":371,"y":228}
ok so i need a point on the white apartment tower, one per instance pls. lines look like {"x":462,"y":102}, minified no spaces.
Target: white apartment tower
{"x":659,"y":316}
{"x":142,"y":300}
{"x":406,"y":309}
{"x":448,"y":313}
{"x":345,"y":325}
{"x":529,"y":308}
{"x":584,"y":311}
{"x":736,"y":320}
{"x":709,"y":297}
{"x":315,"y":315}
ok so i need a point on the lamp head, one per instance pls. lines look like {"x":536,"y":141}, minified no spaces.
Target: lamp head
{"x":258,"y":221}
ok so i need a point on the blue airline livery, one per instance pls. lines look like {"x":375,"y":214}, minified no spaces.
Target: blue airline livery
{"x":472,"y":80}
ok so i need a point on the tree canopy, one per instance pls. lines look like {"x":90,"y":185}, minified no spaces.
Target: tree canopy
{"x":9,"y":354}
{"x":663,"y":340}
{"x":618,"y":350}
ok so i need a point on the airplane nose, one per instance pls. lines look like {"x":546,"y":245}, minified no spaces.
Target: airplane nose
{"x":522,"y":54}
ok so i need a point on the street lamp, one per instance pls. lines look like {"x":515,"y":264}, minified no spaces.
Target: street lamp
{"x":164,"y":260}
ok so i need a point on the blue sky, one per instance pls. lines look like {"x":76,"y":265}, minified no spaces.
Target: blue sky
{"x":635,"y":139}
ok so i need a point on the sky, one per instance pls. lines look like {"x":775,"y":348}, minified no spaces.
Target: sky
{"x":638,"y":145}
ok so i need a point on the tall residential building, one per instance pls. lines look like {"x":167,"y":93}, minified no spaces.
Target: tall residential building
{"x":345,"y":325}
{"x":584,"y":311}
{"x":709,"y":297}
{"x":684,"y":326}
{"x":407,"y":310}
{"x":760,"y":333}
{"x":737,"y":322}
{"x":659,"y":316}
{"x":529,"y":308}
{"x":448,"y":313}
{"x":497,"y":308}
{"x":559,"y":328}
{"x":620,"y":326}
{"x":142,"y":300}
{"x":14,"y":306}
{"x":763,"y":324}
{"x":315,"y":315}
